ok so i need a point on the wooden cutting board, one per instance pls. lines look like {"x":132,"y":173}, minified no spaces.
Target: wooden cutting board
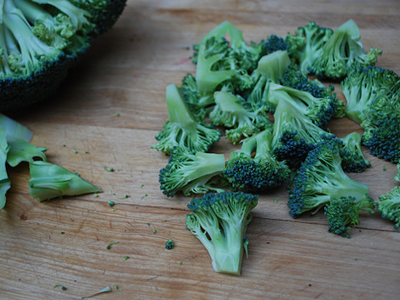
{"x":106,"y":116}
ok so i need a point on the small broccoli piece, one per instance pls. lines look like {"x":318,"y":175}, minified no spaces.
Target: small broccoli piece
{"x":362,"y":86}
{"x":343,"y":214}
{"x":307,"y":44}
{"x":50,"y":181}
{"x":342,"y":52}
{"x":169,"y":244}
{"x":233,"y":112}
{"x":294,"y":134}
{"x":21,"y":150}
{"x":276,"y":43}
{"x":182,"y":129}
{"x":320,"y":179}
{"x":353,"y":159}
{"x":192,"y":173}
{"x":254,"y":168}
{"x":220,"y":221}
{"x":5,"y":182}
{"x":389,"y":206}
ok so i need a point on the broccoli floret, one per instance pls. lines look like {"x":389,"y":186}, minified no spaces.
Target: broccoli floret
{"x":254,"y":168}
{"x":343,"y":214}
{"x":362,"y":86}
{"x":307,"y":44}
{"x":182,"y":129}
{"x":294,"y":134}
{"x":233,"y":112}
{"x":320,"y":179}
{"x":192,"y":173}
{"x":40,"y":40}
{"x":353,"y":159}
{"x":342,"y":52}
{"x":389,"y":206}
{"x":276,"y":43}
{"x":220,"y":221}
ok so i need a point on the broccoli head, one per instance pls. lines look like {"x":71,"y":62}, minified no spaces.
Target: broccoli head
{"x":320,"y":179}
{"x":276,"y":43}
{"x":389,"y":206}
{"x":343,"y":214}
{"x":182,"y":129}
{"x":192,"y":173}
{"x":343,"y":51}
{"x":353,"y":159}
{"x":254,"y":167}
{"x":220,"y":221}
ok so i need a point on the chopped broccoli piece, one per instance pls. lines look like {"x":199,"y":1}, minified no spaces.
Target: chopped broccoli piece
{"x":254,"y":167}
{"x":233,"y":112}
{"x":21,"y":150}
{"x":182,"y":129}
{"x":342,"y":52}
{"x":320,"y":179}
{"x":343,"y":214}
{"x":169,"y":244}
{"x":353,"y":159}
{"x":5,"y":182}
{"x":362,"y":86}
{"x":50,"y":181}
{"x":220,"y":221}
{"x":307,"y":44}
{"x":192,"y":173}
{"x":389,"y":206}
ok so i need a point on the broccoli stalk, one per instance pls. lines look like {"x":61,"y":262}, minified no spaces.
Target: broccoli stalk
{"x":389,"y":206}
{"x":182,"y":129}
{"x":254,"y":167}
{"x":220,"y":221}
{"x":233,"y":112}
{"x":191,"y":173}
{"x":5,"y":182}
{"x":320,"y":179}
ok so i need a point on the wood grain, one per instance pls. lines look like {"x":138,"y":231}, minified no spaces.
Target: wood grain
{"x":64,"y":241}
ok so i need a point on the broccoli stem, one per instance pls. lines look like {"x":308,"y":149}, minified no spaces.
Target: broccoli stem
{"x":5,"y":182}
{"x":178,"y":110}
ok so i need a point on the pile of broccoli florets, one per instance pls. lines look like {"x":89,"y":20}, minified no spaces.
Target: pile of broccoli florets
{"x":268,"y":97}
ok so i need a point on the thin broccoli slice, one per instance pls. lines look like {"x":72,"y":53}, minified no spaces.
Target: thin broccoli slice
{"x":307,"y":44}
{"x":192,"y":173}
{"x":353,"y":159}
{"x":254,"y":168}
{"x":182,"y":129}
{"x":51,"y":181}
{"x":342,"y":52}
{"x":320,"y":179}
{"x":220,"y":221}
{"x":233,"y":112}
{"x":389,"y":206}
{"x":343,"y":214}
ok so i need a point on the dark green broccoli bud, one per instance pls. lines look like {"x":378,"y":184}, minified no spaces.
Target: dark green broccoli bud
{"x":192,"y":173}
{"x":343,"y":214}
{"x":389,"y":206}
{"x":307,"y":44}
{"x":220,"y":221}
{"x":362,"y":86}
{"x":276,"y":43}
{"x":294,"y":134}
{"x":182,"y":129}
{"x":254,"y":167}
{"x":353,"y":159}
{"x":233,"y":112}
{"x":320,"y":179}
{"x":342,"y":52}
{"x":169,"y":244}
{"x":318,"y":110}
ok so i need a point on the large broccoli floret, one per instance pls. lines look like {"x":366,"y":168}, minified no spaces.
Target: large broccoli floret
{"x":192,"y":173}
{"x":220,"y":221}
{"x":294,"y":133}
{"x":40,"y":40}
{"x":353,"y":159}
{"x":321,"y":179}
{"x":342,"y":52}
{"x":344,"y":214}
{"x":254,"y":167}
{"x":234,"y":113}
{"x":307,"y":44}
{"x":182,"y":129}
{"x":362,"y":86}
{"x":389,"y":206}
